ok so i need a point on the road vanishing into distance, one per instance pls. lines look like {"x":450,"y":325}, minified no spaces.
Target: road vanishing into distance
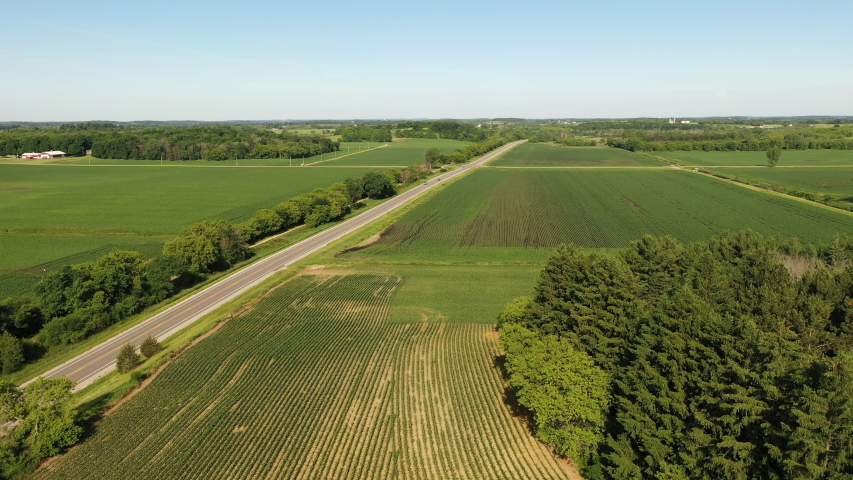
{"x":100,"y":360}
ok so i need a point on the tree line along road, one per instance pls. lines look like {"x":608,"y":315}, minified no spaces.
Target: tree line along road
{"x":100,"y":360}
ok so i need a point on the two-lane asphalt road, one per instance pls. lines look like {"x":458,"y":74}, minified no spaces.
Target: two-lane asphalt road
{"x":100,"y":360}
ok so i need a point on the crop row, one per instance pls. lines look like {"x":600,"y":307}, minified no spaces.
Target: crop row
{"x":314,"y":383}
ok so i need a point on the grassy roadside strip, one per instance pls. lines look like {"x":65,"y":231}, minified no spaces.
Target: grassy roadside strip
{"x":769,"y":189}
{"x":57,"y":356}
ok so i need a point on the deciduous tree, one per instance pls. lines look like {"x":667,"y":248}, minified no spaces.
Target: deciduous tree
{"x":127,"y":358}
{"x":773,"y":155}
{"x":150,"y":347}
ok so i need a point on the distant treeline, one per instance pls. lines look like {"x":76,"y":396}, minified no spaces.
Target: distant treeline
{"x":575,"y":142}
{"x":725,"y":359}
{"x":195,"y":143}
{"x":659,"y":135}
{"x":365,"y":133}
{"x":446,"y":129}
{"x":840,"y":138}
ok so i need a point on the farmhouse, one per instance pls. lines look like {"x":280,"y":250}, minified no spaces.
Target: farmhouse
{"x":50,"y":154}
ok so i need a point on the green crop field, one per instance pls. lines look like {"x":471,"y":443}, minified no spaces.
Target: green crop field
{"x":442,"y":293}
{"x":313,"y":382}
{"x":400,"y":153}
{"x":836,"y":182}
{"x":439,"y":293}
{"x":58,"y":215}
{"x":747,"y":159}
{"x":546,"y":155}
{"x":496,"y":215}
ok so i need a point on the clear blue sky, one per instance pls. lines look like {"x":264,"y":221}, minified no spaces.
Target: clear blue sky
{"x":223,"y":60}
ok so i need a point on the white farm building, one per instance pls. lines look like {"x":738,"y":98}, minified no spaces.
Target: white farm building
{"x":50,"y":154}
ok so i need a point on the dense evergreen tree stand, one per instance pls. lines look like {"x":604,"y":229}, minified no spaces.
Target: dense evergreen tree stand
{"x":726,"y":359}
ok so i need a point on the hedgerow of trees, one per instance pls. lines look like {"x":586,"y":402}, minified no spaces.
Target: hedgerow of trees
{"x":365,"y":133}
{"x":734,"y":139}
{"x":197,"y":143}
{"x":446,"y":129}
{"x":727,"y":359}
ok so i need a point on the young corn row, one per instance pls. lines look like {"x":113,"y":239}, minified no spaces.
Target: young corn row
{"x":314,"y":384}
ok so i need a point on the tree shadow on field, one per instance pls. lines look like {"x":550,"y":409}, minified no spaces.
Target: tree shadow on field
{"x":90,"y":412}
{"x":509,"y":397}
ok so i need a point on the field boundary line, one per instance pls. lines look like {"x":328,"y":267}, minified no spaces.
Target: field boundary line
{"x":260,"y":242}
{"x":343,"y":156}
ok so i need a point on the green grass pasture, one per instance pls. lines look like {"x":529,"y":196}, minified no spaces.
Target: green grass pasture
{"x":400,"y":153}
{"x":314,"y":382}
{"x":748,"y":159}
{"x":546,"y":155}
{"x":503,"y":215}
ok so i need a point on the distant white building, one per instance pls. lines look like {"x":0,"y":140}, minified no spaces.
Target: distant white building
{"x":50,"y":154}
{"x":685,"y":121}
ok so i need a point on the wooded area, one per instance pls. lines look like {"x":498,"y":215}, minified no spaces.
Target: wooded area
{"x":726,"y":359}
{"x":194,"y":143}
